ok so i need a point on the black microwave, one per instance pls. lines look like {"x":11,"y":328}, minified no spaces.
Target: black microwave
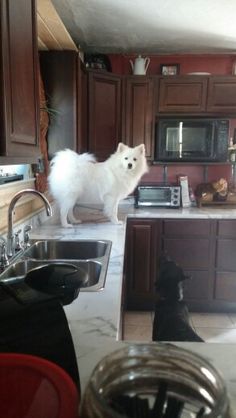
{"x":195,"y":139}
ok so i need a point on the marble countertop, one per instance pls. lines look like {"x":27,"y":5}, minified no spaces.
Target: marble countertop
{"x":94,"y":317}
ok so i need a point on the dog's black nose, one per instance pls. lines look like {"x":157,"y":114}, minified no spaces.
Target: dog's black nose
{"x":129,"y":165}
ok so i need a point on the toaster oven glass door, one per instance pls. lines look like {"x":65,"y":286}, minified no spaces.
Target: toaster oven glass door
{"x":155,"y":196}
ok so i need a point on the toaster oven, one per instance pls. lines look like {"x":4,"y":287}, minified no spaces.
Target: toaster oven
{"x":157,"y":196}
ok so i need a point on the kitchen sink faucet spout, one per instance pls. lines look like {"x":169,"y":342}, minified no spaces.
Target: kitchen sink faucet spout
{"x":16,"y":197}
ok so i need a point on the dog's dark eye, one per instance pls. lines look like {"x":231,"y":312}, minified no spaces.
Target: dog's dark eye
{"x":126,"y":158}
{"x":135,"y":159}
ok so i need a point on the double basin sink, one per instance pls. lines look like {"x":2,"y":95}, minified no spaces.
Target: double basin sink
{"x":60,"y":268}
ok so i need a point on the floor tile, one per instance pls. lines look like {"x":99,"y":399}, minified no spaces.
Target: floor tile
{"x":137,"y":333}
{"x":211,"y":320}
{"x":232,"y":318}
{"x":217,"y":335}
{"x":191,"y":322}
{"x":215,"y":328}
{"x":135,"y":318}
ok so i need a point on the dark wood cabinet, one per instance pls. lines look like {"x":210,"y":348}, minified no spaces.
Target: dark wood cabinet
{"x":96,"y":109}
{"x":142,"y":252}
{"x":65,"y":88}
{"x":191,"y":244}
{"x":82,"y":109}
{"x":19,"y":87}
{"x":225,"y":266}
{"x":185,"y":94}
{"x":139,"y":112}
{"x":188,"y":242}
{"x":204,"y":248}
{"x":104,"y":117}
{"x":197,"y":94}
{"x":221,"y":94}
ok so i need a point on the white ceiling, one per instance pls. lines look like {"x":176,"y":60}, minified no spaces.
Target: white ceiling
{"x":154,"y":26}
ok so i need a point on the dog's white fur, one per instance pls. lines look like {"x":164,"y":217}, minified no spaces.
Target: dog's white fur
{"x":79,"y":178}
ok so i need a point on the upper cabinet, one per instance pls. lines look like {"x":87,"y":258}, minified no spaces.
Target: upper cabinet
{"x":82,"y":109}
{"x":96,"y":109}
{"x":197,"y":95}
{"x":186,"y":94}
{"x":19,"y":87}
{"x":65,"y":87}
{"x":221,"y":94}
{"x":104,"y":117}
{"x":139,"y":112}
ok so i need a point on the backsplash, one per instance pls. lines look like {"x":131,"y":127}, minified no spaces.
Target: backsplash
{"x":195,"y":173}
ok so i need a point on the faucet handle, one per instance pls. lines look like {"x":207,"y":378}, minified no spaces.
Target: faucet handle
{"x":4,"y":262}
{"x":18,"y":246}
{"x":26,"y":230}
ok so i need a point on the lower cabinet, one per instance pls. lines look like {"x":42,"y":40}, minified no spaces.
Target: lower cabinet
{"x":204,"y":248}
{"x":142,"y":252}
{"x":190,"y":243}
{"x":225,"y":268}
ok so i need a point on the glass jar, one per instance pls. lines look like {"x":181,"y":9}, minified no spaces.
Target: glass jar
{"x":154,"y":380}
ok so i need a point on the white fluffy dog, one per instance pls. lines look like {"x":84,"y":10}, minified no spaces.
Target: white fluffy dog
{"x":79,"y":178}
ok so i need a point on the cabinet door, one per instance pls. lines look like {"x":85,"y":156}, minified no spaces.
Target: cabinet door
{"x":139,"y":112}
{"x":20,"y":84}
{"x":190,"y":243}
{"x":104,"y":113}
{"x":186,"y":94}
{"x":221,"y":94}
{"x":82,"y":114}
{"x":142,"y":253}
{"x":60,"y":78}
{"x":225,"y":278}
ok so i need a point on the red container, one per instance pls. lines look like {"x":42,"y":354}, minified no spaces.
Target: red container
{"x":32,"y":387}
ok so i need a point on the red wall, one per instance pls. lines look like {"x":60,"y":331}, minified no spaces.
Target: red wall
{"x":214,"y":64}
{"x":195,"y":174}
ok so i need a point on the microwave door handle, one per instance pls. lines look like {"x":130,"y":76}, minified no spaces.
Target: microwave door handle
{"x":180,"y":139}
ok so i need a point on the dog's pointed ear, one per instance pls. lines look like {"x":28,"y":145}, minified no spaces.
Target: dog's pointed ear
{"x":121,"y":147}
{"x":141,"y":148}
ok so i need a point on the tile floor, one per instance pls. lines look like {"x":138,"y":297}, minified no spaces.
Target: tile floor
{"x":215,"y":328}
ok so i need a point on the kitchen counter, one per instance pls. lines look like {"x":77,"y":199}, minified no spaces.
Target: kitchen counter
{"x":94,"y":317}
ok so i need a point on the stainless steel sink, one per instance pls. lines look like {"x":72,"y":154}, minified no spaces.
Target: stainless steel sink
{"x":67,"y":250}
{"x":91,"y":256}
{"x":17,"y":271}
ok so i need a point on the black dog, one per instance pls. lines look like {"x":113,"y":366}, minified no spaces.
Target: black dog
{"x":171,"y":320}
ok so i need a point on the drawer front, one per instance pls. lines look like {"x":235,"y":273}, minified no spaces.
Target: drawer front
{"x":226,"y":228}
{"x":187,"y":227}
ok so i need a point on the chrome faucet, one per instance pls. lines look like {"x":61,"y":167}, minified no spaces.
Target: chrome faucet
{"x":16,"y":197}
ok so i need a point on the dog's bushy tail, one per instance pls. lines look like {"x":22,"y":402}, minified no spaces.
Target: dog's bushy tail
{"x":67,"y":156}
{"x":64,"y":162}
